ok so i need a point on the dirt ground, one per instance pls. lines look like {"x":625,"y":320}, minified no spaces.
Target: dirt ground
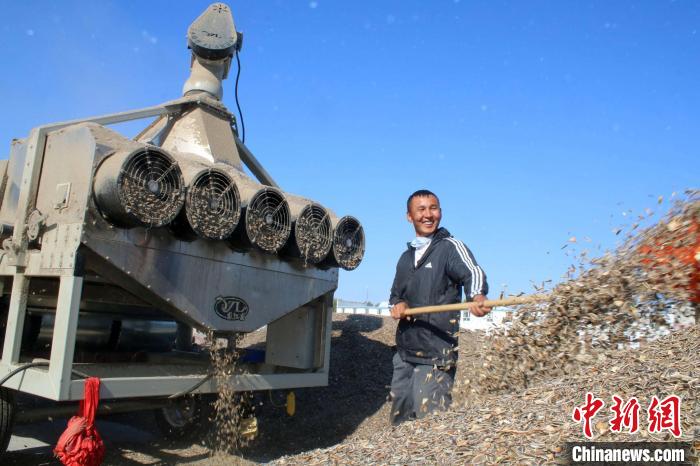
{"x":353,"y":405}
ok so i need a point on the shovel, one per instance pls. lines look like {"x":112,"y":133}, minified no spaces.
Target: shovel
{"x":534,"y":298}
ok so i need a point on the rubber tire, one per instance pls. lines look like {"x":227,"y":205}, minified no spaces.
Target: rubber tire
{"x":7,"y":417}
{"x":179,"y":420}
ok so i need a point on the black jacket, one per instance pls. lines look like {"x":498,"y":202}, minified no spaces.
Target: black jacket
{"x":446,"y":266}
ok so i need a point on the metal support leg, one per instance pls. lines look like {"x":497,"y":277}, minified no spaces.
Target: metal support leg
{"x":64,"y":330}
{"x":328,"y":322}
{"x":27,"y":195}
{"x":15,"y":320}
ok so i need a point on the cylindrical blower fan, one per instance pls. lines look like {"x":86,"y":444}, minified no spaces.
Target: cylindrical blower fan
{"x":267,"y":220}
{"x":213,"y":205}
{"x":140,"y":187}
{"x":312,"y":232}
{"x":348,"y":244}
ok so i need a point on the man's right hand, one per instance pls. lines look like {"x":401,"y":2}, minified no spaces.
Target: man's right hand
{"x":398,"y":309}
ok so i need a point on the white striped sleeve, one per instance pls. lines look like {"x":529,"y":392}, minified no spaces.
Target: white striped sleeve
{"x":477,"y":274}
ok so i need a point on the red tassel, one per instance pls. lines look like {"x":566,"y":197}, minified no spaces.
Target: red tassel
{"x":81,"y":444}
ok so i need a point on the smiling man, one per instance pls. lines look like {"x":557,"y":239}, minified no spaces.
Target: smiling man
{"x":432,"y":271}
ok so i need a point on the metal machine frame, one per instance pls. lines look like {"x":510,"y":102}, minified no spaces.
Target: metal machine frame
{"x":136,"y":380}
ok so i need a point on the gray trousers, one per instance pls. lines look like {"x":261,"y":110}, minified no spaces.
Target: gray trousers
{"x":418,"y":389}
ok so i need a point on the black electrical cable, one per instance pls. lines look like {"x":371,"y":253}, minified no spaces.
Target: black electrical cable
{"x":272,"y":402}
{"x":240,"y":113}
{"x":85,"y":376}
{"x":192,"y":388}
{"x":35,"y":364}
{"x":21,"y":369}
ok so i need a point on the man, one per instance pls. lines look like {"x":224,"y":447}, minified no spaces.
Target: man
{"x":432,"y":271}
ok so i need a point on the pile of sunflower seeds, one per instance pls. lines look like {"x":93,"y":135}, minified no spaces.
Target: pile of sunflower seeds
{"x":620,"y":325}
{"x":634,"y":294}
{"x":530,"y":426}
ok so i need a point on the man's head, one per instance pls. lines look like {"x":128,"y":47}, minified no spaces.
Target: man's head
{"x":423,"y":211}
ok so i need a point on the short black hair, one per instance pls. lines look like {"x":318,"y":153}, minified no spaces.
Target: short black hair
{"x":419,"y":193}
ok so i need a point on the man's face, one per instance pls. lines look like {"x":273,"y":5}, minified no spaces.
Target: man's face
{"x":425,"y":214}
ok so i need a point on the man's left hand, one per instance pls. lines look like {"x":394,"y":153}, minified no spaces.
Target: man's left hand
{"x":398,"y":309}
{"x":480,"y":310}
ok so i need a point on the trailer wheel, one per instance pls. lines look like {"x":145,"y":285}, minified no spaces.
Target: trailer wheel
{"x":178,"y":419}
{"x":7,"y":417}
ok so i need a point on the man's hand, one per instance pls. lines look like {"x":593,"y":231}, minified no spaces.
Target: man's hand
{"x":480,"y":310}
{"x":398,"y":309}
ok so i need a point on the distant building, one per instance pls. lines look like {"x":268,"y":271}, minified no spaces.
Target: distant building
{"x":355,"y":307}
{"x":487,"y":323}
{"x":467,"y":321}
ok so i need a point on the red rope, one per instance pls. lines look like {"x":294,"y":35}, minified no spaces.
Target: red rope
{"x":81,"y":444}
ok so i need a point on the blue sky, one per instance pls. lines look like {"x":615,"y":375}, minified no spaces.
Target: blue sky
{"x":534,"y":121}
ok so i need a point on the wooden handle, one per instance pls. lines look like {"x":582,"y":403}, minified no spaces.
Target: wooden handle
{"x":533,"y":298}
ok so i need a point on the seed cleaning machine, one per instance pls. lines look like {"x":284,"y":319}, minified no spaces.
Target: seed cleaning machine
{"x":114,"y":249}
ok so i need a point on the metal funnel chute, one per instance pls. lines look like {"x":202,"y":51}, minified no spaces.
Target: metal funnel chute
{"x":204,"y":130}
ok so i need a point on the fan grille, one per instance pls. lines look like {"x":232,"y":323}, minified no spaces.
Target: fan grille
{"x":213,"y":204}
{"x":348,"y":243}
{"x":151,"y":187}
{"x":312,"y":232}
{"x":268,"y":222}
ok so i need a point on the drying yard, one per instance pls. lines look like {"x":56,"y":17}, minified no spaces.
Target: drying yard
{"x":605,"y":331}
{"x":347,"y":422}
{"x":620,"y":325}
